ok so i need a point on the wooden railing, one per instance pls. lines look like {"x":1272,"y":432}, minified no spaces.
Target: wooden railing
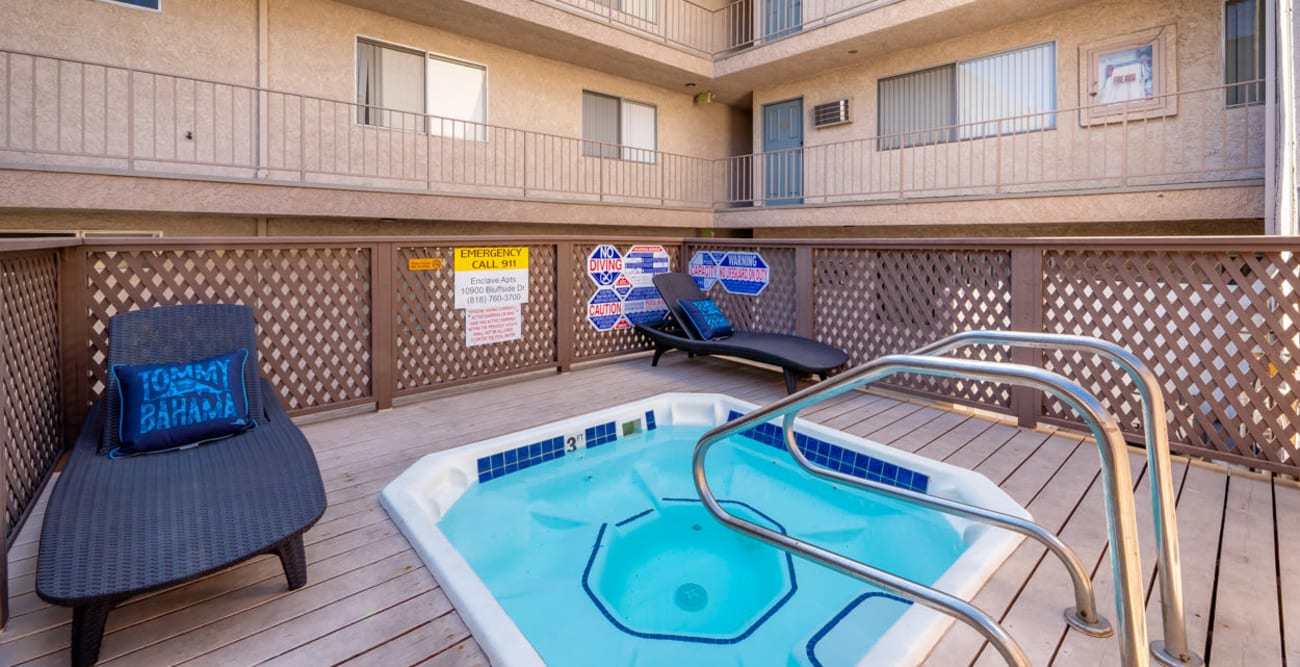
{"x":1217,"y":319}
{"x":354,"y":322}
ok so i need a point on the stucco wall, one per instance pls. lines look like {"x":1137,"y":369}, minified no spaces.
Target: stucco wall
{"x":313,"y":42}
{"x":211,"y":39}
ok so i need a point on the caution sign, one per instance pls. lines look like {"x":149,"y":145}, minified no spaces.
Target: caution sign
{"x":491,"y":277}
{"x":605,"y":311}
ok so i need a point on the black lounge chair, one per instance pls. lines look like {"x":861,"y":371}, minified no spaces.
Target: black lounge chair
{"x":116,"y":528}
{"x":794,"y":354}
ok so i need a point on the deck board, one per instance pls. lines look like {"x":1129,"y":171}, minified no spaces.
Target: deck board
{"x":369,"y":600}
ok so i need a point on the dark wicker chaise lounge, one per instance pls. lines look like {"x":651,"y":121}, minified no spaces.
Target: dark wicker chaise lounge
{"x":119,"y":527}
{"x":794,"y":354}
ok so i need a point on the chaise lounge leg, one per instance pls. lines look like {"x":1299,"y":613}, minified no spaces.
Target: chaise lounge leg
{"x":789,"y":381}
{"x":87,"y":632}
{"x":293,"y":556}
{"x":659,"y":352}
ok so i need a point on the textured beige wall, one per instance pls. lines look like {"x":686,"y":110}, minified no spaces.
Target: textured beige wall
{"x":313,"y":51}
{"x":211,"y":39}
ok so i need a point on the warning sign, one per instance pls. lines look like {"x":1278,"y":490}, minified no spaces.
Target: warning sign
{"x":424,"y":264}
{"x":495,"y":324}
{"x":744,"y":273}
{"x":491,"y":277}
{"x":703,"y":267}
{"x":604,"y":265}
{"x":642,"y":303}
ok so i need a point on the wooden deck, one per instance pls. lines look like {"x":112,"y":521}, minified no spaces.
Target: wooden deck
{"x":370,"y":601}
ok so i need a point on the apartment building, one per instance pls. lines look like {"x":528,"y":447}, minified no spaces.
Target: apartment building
{"x":767,"y":118}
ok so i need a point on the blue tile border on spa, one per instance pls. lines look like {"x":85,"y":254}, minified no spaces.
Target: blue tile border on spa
{"x":838,"y":458}
{"x":514,"y":460}
{"x":811,"y":648}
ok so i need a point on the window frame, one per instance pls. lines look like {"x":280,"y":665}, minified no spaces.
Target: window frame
{"x":425,"y":124}
{"x":620,"y":150}
{"x":952,"y":133}
{"x":135,"y":4}
{"x":1260,"y":83}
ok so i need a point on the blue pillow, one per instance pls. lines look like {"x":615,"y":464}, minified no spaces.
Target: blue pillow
{"x":168,"y":406}
{"x":709,"y":320}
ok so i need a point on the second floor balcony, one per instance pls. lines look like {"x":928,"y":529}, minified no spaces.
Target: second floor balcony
{"x":59,"y":115}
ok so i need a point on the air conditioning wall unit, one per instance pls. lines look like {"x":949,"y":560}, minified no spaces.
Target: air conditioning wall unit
{"x":830,"y":114}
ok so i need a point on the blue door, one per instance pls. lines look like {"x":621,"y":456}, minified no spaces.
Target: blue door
{"x":781,"y":18}
{"x":783,"y":152}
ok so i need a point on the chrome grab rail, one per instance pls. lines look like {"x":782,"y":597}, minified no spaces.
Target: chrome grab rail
{"x":1083,"y":616}
{"x":1121,"y":523}
{"x":1173,"y":650}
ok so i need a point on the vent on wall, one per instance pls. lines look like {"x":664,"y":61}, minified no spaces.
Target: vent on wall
{"x":831,"y":113}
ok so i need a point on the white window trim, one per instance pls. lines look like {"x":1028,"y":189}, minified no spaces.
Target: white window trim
{"x":1056,"y":90}
{"x":424,"y":80}
{"x":120,"y":3}
{"x":652,"y":154}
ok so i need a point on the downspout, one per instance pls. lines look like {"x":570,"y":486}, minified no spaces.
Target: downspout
{"x":1288,"y":189}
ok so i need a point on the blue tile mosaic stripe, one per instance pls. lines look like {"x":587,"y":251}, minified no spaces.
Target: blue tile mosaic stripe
{"x":837,"y":458}
{"x":650,"y":420}
{"x":811,"y":648}
{"x":601,"y":433}
{"x":789,"y":593}
{"x":514,"y":460}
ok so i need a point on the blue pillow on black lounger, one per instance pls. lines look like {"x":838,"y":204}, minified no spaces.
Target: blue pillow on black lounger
{"x":708,"y":319}
{"x":166,"y":406}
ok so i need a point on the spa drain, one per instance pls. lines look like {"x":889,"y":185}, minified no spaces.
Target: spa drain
{"x":691,"y":597}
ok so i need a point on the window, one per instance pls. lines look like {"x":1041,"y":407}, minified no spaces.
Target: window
{"x":397,"y":87}
{"x":1003,"y":93}
{"x":625,"y":130}
{"x":1243,"y":51}
{"x":155,"y":5}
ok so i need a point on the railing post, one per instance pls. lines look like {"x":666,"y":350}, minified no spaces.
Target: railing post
{"x":383,"y":329}
{"x":566,"y":305}
{"x":130,"y":120}
{"x":73,"y":351}
{"x":1123,"y":146}
{"x":302,"y":139}
{"x":1027,"y":315}
{"x":805,"y":291}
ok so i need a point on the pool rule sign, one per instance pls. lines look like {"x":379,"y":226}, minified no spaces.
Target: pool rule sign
{"x":490,"y":285}
{"x":624,"y":293}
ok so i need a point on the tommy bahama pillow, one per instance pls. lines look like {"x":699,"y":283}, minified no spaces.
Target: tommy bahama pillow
{"x":709,"y":320}
{"x":168,"y":406}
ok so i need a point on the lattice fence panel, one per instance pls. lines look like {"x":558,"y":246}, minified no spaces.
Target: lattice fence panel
{"x":314,"y":314}
{"x":29,"y":368}
{"x":430,"y":330}
{"x":871,"y":303}
{"x":1220,"y":330}
{"x":587,"y":340}
{"x":774,"y":310}
{"x":311,"y":306}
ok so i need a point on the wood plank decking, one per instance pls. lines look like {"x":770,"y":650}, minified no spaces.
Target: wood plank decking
{"x":370,"y":601}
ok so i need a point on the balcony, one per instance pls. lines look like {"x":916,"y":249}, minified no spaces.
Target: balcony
{"x":348,"y":327}
{"x":79,"y":117}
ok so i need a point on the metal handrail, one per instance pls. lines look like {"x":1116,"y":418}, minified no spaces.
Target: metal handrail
{"x":1173,"y":650}
{"x":1083,"y":616}
{"x":1121,"y":521}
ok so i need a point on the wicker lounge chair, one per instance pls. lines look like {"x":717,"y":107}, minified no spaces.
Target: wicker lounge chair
{"x":116,"y":528}
{"x":794,"y":354}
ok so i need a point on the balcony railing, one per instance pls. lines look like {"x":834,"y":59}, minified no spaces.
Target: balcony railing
{"x":73,"y":115}
{"x":1196,"y":137}
{"x":740,"y":24}
{"x":70,"y":115}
